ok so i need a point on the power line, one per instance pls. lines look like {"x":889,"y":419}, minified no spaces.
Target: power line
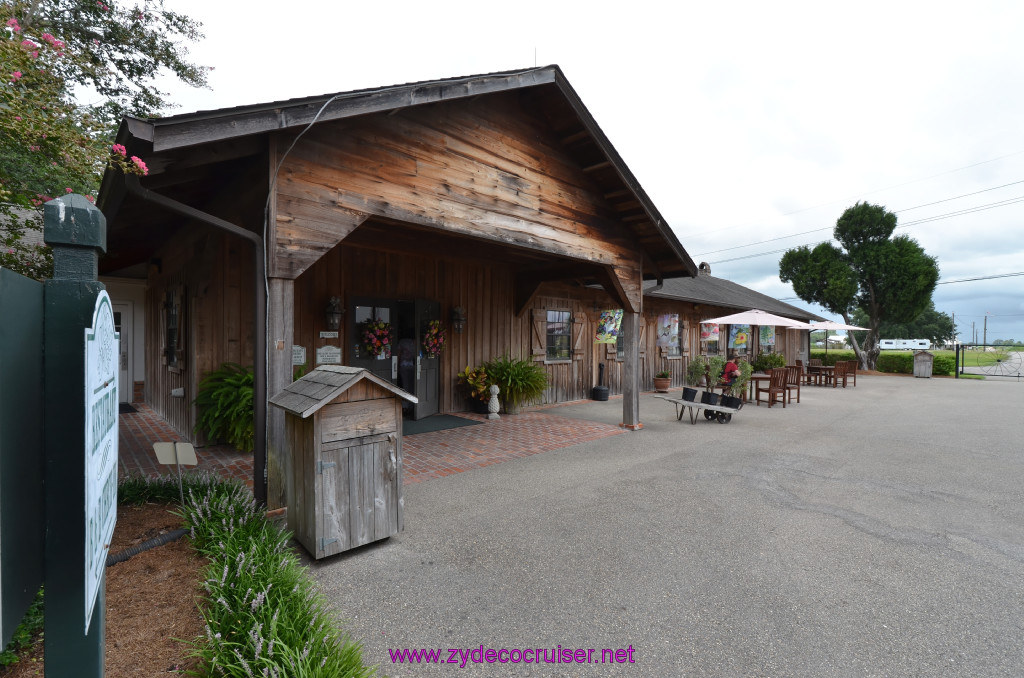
{"x":905,"y":209}
{"x":925,"y":220}
{"x":887,"y":188}
{"x":983,"y":277}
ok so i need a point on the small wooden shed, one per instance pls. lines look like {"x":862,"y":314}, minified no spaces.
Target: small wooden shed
{"x":344,"y":430}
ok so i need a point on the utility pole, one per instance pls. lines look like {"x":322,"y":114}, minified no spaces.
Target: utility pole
{"x":984,"y":339}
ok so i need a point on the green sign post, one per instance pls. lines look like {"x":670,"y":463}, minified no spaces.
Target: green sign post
{"x":80,"y":442}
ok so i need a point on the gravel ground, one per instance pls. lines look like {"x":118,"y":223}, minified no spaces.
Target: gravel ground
{"x":871,"y":531}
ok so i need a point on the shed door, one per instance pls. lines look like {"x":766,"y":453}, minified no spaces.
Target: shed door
{"x":360,"y":483}
{"x":123,"y":326}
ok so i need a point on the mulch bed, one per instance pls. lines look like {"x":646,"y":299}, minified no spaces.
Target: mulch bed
{"x":151,"y":601}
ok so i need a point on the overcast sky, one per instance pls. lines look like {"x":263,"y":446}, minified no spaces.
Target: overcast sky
{"x":745,"y":122}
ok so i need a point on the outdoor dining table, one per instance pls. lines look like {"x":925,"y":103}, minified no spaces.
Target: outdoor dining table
{"x":755,"y":379}
{"x":822,"y":374}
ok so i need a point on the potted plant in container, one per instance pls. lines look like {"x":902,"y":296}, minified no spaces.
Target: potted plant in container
{"x":473,"y":383}
{"x":738,"y":386}
{"x":521,"y":381}
{"x":716,"y":364}
{"x":662,"y":380}
{"x":695,"y":371}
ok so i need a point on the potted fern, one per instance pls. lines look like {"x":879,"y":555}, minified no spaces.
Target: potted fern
{"x":695,"y":371}
{"x":520,"y":381}
{"x":224,"y":404}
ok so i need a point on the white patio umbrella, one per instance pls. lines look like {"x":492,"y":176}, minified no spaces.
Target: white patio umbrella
{"x":758,"y":317}
{"x":831,"y":325}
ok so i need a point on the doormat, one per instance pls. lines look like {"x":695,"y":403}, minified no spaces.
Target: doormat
{"x":438,"y":422}
{"x":125,"y":408}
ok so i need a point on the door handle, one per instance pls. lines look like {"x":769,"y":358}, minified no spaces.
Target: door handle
{"x":419,"y":359}
{"x":394,"y":367}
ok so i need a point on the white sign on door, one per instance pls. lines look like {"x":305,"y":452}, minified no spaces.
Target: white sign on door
{"x":101,"y":370}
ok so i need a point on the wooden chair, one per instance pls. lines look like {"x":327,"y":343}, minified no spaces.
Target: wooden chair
{"x":793,"y":382}
{"x":839,"y":373}
{"x":851,"y":370}
{"x":805,"y":375}
{"x":814,"y":376}
{"x":776,"y":388}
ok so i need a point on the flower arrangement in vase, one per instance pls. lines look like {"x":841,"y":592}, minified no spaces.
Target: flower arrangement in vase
{"x":433,"y":339}
{"x":377,"y":338}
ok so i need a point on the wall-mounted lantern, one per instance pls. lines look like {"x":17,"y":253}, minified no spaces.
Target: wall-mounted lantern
{"x":333,"y":314}
{"x":458,"y":319}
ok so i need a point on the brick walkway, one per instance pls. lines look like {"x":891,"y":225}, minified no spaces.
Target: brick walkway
{"x":427,"y":455}
{"x":137,"y":433}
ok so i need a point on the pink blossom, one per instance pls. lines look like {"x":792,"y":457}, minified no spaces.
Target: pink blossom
{"x":15,"y":76}
{"x":90,"y":198}
{"x":68,"y":190}
{"x":28,"y":44}
{"x":17,"y":117}
{"x":141,"y":165}
{"x":95,"y":42}
{"x":35,"y":54}
{"x":13,"y":23}
{"x":118,"y":148}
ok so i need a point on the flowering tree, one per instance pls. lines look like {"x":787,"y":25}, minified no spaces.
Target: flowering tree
{"x":53,"y":55}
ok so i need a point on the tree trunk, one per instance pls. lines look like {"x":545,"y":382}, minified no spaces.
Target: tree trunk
{"x":862,"y":358}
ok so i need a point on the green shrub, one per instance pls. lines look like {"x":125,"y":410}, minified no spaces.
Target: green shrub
{"x":833,"y":356}
{"x":29,"y":631}
{"x":716,"y":364}
{"x":944,"y":365}
{"x":695,"y":370}
{"x":768,"y":361}
{"x":521,"y":381}
{"x":895,"y":363}
{"x":224,"y":403}
{"x":135,"y":490}
{"x":262,"y":612}
{"x":740,"y":385}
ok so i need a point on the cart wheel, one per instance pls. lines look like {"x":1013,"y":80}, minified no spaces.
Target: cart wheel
{"x":709,"y":415}
{"x":724,"y":418}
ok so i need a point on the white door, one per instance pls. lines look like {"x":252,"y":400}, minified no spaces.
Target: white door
{"x":123,"y":325}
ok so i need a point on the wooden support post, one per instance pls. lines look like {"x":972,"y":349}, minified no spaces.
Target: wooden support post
{"x":281,"y":330}
{"x":631,"y":371}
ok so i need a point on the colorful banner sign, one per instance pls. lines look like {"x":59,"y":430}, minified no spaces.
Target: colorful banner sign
{"x":767,"y":335}
{"x":668,"y":331}
{"x":608,"y":326}
{"x":709,"y":331}
{"x":739,"y":336}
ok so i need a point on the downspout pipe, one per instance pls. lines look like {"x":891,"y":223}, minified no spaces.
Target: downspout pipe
{"x":259,"y":481}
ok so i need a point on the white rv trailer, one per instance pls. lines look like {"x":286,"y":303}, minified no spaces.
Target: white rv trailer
{"x":904,"y":344}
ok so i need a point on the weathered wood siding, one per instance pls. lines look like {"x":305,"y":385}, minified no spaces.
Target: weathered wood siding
{"x":213,"y":272}
{"x":489,"y":169}
{"x":484,"y":290}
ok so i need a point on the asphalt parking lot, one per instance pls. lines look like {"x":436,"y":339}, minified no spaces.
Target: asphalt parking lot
{"x":867,"y":531}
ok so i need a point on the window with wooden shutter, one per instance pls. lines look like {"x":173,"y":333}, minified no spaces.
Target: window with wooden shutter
{"x":538,"y":333}
{"x":559,"y":335}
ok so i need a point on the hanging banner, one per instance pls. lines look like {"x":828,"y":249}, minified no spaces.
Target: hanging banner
{"x":608,"y":326}
{"x":709,"y":331}
{"x":668,"y":331}
{"x":739,"y":336}
{"x":767,"y":335}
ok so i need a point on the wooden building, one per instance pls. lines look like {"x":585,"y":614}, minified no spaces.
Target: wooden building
{"x":493,"y":205}
{"x":680,"y":305}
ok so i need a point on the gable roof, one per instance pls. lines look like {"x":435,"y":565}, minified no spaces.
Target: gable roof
{"x":314,"y":390}
{"x":705,"y":289}
{"x":170,"y":142}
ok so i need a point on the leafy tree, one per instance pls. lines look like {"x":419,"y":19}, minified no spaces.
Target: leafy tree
{"x":889,"y":278}
{"x":930,"y":324}
{"x":52,"y":54}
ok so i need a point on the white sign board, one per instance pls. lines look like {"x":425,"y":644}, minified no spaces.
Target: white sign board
{"x":298,"y":355}
{"x":101,"y":368}
{"x":328,"y":355}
